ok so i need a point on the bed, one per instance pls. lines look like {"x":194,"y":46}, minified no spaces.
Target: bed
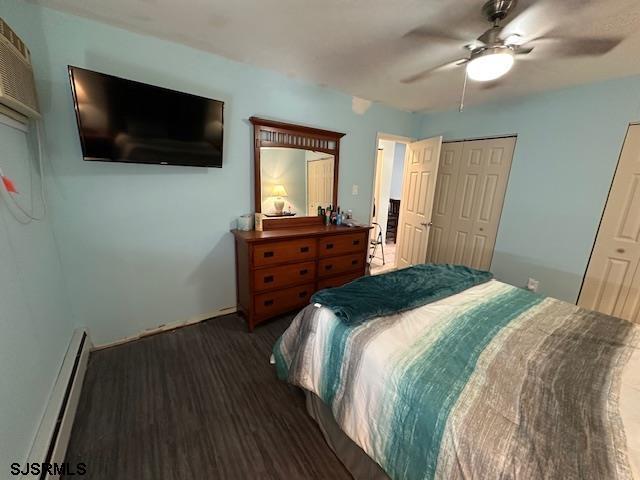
{"x":482,"y":381}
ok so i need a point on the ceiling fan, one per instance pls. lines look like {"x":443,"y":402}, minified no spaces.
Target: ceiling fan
{"x":494,"y":52}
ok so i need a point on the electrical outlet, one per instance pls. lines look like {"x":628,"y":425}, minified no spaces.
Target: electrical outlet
{"x":354,"y":190}
{"x":533,"y":284}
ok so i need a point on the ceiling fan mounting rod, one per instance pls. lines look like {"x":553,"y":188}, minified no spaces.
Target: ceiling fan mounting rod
{"x":496,"y":10}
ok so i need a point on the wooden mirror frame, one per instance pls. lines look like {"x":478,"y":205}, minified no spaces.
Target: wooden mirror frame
{"x":269,"y":133}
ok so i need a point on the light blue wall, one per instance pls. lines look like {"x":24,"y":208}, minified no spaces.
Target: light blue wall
{"x":398,"y":171}
{"x":35,"y":318}
{"x":148,"y":245}
{"x":567,"y":149}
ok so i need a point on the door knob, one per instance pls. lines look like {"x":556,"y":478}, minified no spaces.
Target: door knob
{"x":425,"y":224}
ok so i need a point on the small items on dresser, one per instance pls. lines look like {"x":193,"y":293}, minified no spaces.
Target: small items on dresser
{"x":278,"y":270}
{"x":259,"y":217}
{"x":245,"y":222}
{"x":333,"y":217}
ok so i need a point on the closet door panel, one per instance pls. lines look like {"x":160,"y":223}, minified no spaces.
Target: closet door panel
{"x":612,"y":281}
{"x":498,"y":154}
{"x":446,"y":186}
{"x":470,"y":194}
{"x":465,"y":207}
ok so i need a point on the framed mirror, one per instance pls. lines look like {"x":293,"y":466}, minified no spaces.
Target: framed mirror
{"x":295,"y":168}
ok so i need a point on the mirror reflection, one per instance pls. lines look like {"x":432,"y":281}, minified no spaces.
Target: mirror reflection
{"x":295,"y":182}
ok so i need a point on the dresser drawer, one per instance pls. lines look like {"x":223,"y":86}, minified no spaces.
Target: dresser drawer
{"x":341,"y":244}
{"x":336,"y":265}
{"x":281,"y":252}
{"x":338,"y":281}
{"x":280,"y":301}
{"x":283,"y":276}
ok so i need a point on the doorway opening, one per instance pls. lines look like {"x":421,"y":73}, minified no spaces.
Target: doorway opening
{"x":386,"y":199}
{"x":438,"y":202}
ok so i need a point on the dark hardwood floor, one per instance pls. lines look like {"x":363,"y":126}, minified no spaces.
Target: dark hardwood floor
{"x":198,"y":402}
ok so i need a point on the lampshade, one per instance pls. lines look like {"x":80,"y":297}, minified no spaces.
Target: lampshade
{"x":490,"y":64}
{"x":279,"y":191}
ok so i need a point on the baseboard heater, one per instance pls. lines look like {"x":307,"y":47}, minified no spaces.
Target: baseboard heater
{"x":50,"y":444}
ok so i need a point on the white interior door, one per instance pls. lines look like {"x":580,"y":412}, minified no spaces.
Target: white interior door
{"x":472,"y":182}
{"x":319,"y":184}
{"x":612,"y":282}
{"x":418,"y":189}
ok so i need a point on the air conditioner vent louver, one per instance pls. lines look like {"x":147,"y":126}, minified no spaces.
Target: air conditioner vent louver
{"x":17,"y":85}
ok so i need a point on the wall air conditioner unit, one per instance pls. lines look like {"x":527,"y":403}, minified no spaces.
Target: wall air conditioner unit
{"x":18,"y":97}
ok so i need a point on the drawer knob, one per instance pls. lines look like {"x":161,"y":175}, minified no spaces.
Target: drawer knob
{"x":304,"y":271}
{"x":356,"y":242}
{"x":268,"y":303}
{"x":328,"y":267}
{"x":268,"y":279}
{"x":304,"y":249}
{"x":329,"y":246}
{"x":268,"y":254}
{"x":302,"y":294}
{"x":354,"y":262}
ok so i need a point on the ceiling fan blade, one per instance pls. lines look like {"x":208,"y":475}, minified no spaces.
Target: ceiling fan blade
{"x":449,"y":25}
{"x":429,"y":33}
{"x":523,"y":50}
{"x":425,"y":73}
{"x":542,"y":17}
{"x":578,"y":47}
{"x":490,"y":36}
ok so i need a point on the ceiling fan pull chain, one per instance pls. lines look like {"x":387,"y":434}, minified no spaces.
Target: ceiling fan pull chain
{"x":464,"y":91}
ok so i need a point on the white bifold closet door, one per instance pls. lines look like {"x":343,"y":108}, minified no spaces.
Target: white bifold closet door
{"x":472,"y":181}
{"x":612,"y":282}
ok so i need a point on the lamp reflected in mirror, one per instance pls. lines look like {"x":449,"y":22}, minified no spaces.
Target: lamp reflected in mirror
{"x":295,"y":182}
{"x":278,"y":192}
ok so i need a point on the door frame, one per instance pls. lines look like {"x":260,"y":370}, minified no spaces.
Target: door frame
{"x":604,"y":209}
{"x":392,"y":138}
{"x":488,"y":137}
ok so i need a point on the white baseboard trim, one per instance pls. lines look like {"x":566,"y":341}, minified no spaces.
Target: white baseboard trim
{"x":167,"y":327}
{"x":50,"y":443}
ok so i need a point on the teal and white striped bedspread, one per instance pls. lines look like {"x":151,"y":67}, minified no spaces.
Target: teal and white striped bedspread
{"x":493,"y":382}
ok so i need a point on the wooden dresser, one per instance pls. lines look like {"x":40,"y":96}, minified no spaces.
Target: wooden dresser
{"x":277,"y":271}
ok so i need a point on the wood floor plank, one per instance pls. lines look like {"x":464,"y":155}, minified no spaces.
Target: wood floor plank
{"x":198,"y":402}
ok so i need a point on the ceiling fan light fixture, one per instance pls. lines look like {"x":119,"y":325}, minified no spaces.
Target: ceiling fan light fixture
{"x":514,"y":39}
{"x":490,"y":64}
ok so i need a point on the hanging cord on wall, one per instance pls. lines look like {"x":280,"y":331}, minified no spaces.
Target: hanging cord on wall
{"x":29,"y":216}
{"x":464,"y":91}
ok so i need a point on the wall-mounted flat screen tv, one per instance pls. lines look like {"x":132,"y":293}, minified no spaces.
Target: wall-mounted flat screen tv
{"x":125,"y":121}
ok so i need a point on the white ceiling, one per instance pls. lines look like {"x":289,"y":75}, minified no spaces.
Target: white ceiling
{"x":360,"y":47}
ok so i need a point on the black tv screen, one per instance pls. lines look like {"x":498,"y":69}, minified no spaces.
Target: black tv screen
{"x":125,"y":121}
